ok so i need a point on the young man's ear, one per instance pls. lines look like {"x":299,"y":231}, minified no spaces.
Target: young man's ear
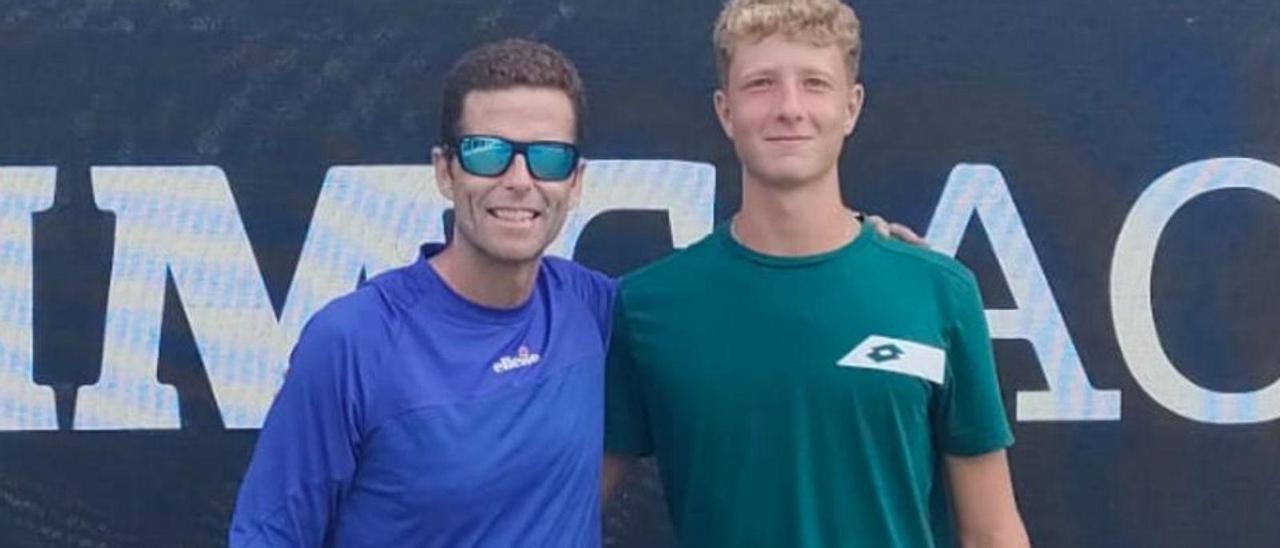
{"x":444,"y":174}
{"x":721,"y":102}
{"x":857,"y":97}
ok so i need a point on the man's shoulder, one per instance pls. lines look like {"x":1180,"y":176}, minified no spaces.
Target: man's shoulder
{"x":676,"y":268}
{"x":396,"y":287}
{"x":371,"y":310}
{"x":913,"y":261}
{"x":353,"y":316}
{"x":593,"y":288}
{"x":567,"y":272}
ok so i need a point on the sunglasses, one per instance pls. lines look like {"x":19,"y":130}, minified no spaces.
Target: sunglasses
{"x":489,"y":156}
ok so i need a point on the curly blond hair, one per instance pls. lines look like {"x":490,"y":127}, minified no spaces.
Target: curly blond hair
{"x":818,"y":22}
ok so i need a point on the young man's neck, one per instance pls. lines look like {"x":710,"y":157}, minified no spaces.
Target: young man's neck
{"x":482,"y":280}
{"x":804,"y":219}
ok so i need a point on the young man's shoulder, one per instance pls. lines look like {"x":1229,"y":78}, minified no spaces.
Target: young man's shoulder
{"x":676,"y":268}
{"x":915,"y":260}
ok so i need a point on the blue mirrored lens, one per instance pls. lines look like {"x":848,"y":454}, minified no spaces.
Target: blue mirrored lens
{"x":489,"y":156}
{"x":484,"y":156}
{"x":551,"y":161}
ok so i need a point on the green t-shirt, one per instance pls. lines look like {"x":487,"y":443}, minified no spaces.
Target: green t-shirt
{"x":803,"y":401}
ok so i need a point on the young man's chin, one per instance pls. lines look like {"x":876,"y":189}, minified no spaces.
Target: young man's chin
{"x":785,"y":179}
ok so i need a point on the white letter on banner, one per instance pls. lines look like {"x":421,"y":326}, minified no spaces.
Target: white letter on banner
{"x":685,"y":190}
{"x":981,"y":189}
{"x":184,"y":220}
{"x":1131,"y":292}
{"x":24,"y":405}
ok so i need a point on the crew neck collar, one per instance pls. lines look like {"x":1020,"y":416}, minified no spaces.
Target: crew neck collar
{"x":455,"y":303}
{"x":723,"y":234}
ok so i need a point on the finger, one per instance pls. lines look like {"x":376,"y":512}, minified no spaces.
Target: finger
{"x":904,"y":233}
{"x":883,"y":227}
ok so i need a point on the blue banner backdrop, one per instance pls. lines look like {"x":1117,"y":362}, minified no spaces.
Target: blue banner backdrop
{"x":182,"y":183}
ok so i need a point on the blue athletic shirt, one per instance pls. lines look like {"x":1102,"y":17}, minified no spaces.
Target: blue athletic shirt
{"x":410,"y":416}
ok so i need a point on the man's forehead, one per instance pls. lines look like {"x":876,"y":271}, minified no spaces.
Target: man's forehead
{"x":547,"y":112}
{"x":783,"y":52}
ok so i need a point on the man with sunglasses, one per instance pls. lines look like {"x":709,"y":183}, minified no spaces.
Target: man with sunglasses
{"x":456,"y":401}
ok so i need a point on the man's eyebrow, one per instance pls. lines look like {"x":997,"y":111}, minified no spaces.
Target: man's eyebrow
{"x":811,"y":70}
{"x":758,"y":71}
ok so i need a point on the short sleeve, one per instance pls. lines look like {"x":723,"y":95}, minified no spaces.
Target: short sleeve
{"x":602,"y":294}
{"x":596,"y":290}
{"x":969,"y":414}
{"x":626,"y":415}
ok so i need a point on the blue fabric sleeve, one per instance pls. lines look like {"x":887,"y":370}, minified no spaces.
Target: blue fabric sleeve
{"x":306,"y":452}
{"x":597,"y":290}
{"x":605,"y":291}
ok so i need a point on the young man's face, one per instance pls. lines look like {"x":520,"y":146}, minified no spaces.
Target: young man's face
{"x":510,"y":217}
{"x":787,"y":106}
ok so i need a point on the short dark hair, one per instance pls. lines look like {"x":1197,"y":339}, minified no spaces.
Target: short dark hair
{"x":506,"y":64}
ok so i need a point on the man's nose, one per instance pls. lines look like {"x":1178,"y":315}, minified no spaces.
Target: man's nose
{"x":517,"y":176}
{"x":789,"y":104}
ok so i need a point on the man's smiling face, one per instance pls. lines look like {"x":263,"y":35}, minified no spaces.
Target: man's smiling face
{"x":511,"y":217}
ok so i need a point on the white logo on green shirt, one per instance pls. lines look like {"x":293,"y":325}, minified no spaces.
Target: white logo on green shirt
{"x":898,"y":356}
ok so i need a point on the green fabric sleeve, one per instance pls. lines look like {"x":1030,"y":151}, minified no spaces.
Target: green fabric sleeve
{"x":970,"y":418}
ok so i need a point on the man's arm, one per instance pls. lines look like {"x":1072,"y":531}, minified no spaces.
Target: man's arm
{"x":306,"y":450}
{"x":982,"y":494}
{"x":890,"y":229}
{"x":615,"y":468}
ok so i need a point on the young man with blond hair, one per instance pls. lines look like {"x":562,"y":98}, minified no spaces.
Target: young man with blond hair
{"x":802,"y":380}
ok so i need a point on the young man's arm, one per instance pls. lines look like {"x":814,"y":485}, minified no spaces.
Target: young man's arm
{"x":982,"y":495}
{"x":974,"y":430}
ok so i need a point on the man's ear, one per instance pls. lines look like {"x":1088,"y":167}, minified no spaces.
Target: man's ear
{"x":857,"y":97}
{"x":444,"y":172}
{"x":575,"y":191}
{"x":721,"y":102}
